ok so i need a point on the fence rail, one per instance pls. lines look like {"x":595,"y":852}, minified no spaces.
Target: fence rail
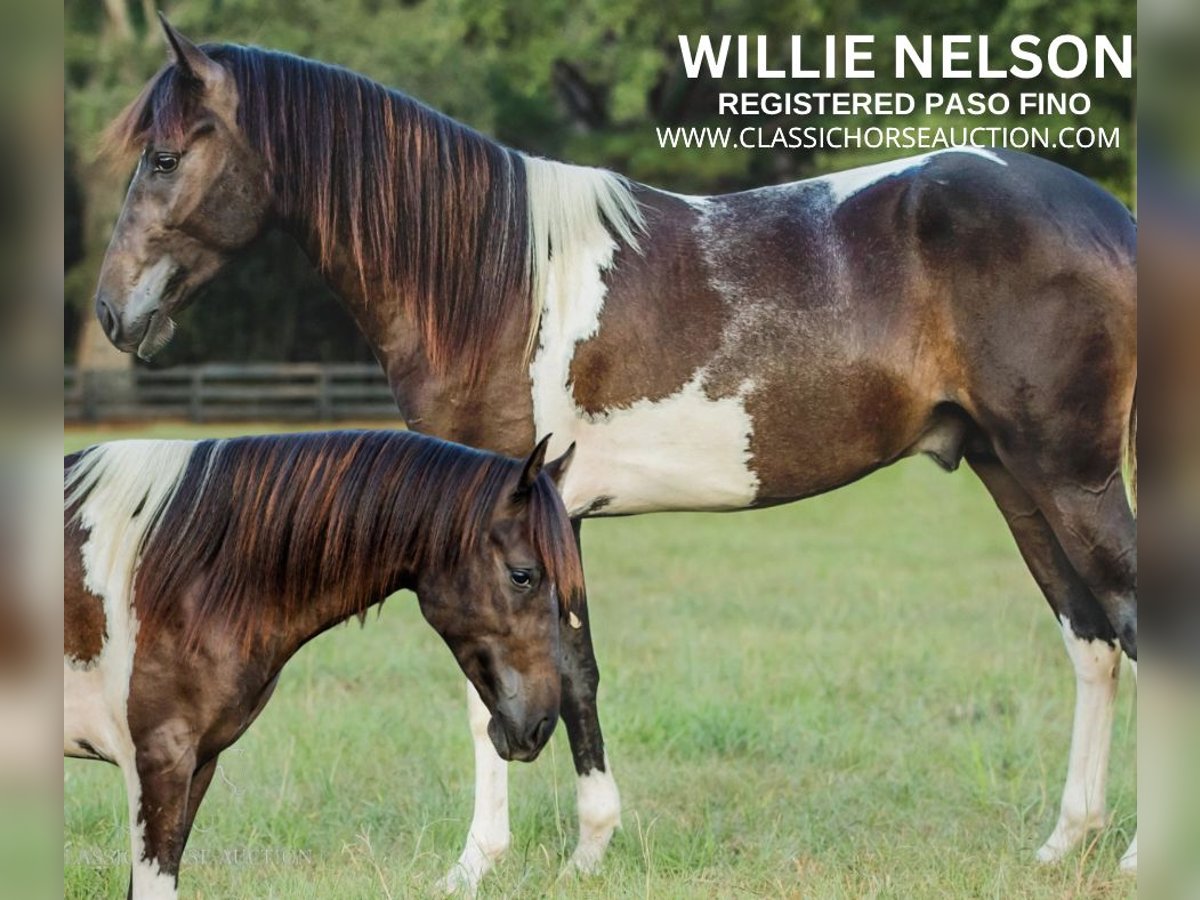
{"x":226,"y":392}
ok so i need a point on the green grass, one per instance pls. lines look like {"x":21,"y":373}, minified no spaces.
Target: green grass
{"x":861,"y":695}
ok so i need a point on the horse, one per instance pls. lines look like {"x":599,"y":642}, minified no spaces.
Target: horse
{"x":194,"y":570}
{"x":703,"y":352}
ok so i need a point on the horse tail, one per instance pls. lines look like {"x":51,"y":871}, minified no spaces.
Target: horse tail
{"x":1129,"y":453}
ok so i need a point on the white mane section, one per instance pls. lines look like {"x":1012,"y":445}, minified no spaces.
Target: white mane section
{"x":112,"y":481}
{"x":571,"y":210}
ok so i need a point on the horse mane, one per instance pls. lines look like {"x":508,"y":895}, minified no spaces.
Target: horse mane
{"x":257,"y":527}
{"x":460,"y":228}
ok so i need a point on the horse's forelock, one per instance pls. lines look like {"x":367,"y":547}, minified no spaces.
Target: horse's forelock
{"x":555,"y":544}
{"x":159,"y":114}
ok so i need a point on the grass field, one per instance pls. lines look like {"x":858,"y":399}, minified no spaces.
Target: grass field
{"x":861,"y":695}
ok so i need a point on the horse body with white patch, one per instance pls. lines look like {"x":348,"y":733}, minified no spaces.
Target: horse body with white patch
{"x":703,"y":353}
{"x":696,"y":444}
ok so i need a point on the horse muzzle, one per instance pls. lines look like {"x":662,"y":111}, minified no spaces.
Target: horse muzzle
{"x":521,"y":739}
{"x":113,"y":323}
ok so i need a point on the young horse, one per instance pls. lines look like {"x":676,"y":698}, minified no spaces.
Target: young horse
{"x":705,"y":353}
{"x":194,"y":570}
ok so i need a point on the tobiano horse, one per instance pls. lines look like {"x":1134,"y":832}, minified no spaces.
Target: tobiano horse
{"x":195,"y":570}
{"x":704,"y":353}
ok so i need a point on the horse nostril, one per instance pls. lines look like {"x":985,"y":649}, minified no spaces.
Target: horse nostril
{"x":540,"y":732}
{"x":107,"y":316}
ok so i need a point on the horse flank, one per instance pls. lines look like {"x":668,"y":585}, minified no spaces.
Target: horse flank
{"x":268,"y":523}
{"x":463,"y":231}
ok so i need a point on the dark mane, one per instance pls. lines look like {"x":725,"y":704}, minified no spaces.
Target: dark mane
{"x":366,"y":166}
{"x":265,"y":524}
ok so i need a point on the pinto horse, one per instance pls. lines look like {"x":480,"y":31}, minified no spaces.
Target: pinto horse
{"x":704,"y":353}
{"x":195,"y":570}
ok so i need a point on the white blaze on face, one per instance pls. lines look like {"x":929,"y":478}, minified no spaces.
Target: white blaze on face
{"x":117,"y":478}
{"x":685,"y":451}
{"x":147,"y":291}
{"x":844,"y":185}
{"x":146,"y":298}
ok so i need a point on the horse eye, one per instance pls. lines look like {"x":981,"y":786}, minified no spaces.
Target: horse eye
{"x":166,"y":163}
{"x":522,"y":578}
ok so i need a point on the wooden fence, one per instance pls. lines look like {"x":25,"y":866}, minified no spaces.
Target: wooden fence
{"x":228,"y":392}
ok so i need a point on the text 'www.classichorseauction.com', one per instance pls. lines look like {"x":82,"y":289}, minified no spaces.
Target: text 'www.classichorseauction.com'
{"x":956,"y":118}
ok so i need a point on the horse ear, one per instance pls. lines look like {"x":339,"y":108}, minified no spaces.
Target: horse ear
{"x":191,"y":60}
{"x":557,"y":468}
{"x":533,"y":468}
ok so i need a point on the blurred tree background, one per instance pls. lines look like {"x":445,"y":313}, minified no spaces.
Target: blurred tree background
{"x":584,"y":81}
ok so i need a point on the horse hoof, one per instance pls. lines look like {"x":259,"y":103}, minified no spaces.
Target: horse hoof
{"x":457,"y":883}
{"x":586,"y":860}
{"x":1050,"y":853}
{"x":1129,"y":858}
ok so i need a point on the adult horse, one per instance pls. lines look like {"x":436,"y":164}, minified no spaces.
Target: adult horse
{"x":705,"y":353}
{"x":195,"y":570}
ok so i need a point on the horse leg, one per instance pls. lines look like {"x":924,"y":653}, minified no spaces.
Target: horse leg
{"x":1091,"y":645}
{"x":489,"y":836}
{"x":159,"y":785}
{"x":597,"y":800}
{"x":1129,"y":857}
{"x":201,"y":779}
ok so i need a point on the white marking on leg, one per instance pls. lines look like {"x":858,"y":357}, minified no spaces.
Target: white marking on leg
{"x":685,"y":451}
{"x":844,"y":185}
{"x":488,"y":838}
{"x":149,"y":882}
{"x":1083,"y":807}
{"x":599,"y":806}
{"x":1129,"y":858}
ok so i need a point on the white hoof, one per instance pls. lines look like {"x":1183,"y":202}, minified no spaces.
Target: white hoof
{"x":1049,"y":853}
{"x":1066,"y":837}
{"x":463,"y":879}
{"x":587,"y":856}
{"x":1129,"y":858}
{"x":458,"y":882}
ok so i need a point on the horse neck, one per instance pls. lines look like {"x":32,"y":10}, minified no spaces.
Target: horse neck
{"x":383,"y":321}
{"x":493,"y":413}
{"x":334,"y":605}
